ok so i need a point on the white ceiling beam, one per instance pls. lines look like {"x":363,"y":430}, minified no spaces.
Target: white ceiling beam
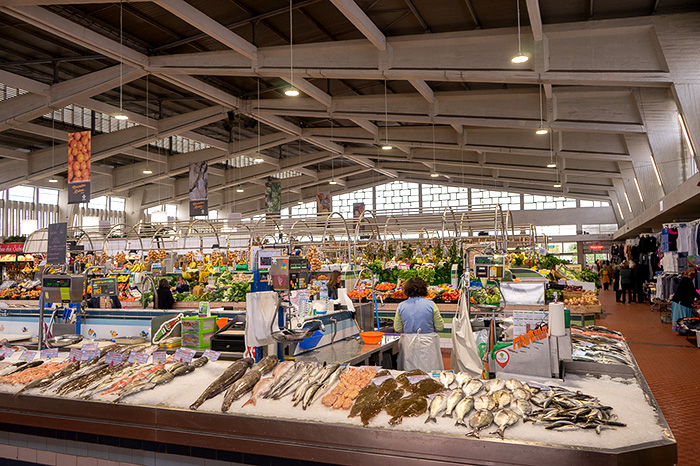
{"x":424,"y":90}
{"x":356,"y":16}
{"x":533,"y":12}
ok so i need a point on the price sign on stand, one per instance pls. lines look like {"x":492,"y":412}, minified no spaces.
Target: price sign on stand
{"x":184,"y":355}
{"x":379,"y":380}
{"x":212,"y":355}
{"x":112,"y":359}
{"x":75,"y":355}
{"x":89,"y":346}
{"x":49,"y":353}
{"x":141,"y":358}
{"x":7,"y":352}
{"x":87,"y":355}
{"x":27,"y":356}
{"x":159,"y":357}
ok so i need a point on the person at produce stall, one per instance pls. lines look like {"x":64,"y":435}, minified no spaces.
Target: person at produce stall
{"x":334,"y":284}
{"x":418,"y":318}
{"x":627,"y":283}
{"x":182,"y":286}
{"x":94,"y":302}
{"x":683,"y":299}
{"x":164,"y":295}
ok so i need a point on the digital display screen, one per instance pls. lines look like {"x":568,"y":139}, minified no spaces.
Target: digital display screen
{"x":52,"y":282}
{"x":104,"y":286}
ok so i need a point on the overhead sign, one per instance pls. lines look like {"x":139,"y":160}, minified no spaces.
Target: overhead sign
{"x":199,"y":189}
{"x":323,"y":202}
{"x":273,"y":198}
{"x":79,"y":154}
{"x":56,"y":250}
{"x":11,"y":247}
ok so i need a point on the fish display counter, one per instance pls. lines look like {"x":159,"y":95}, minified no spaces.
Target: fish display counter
{"x":332,"y":413}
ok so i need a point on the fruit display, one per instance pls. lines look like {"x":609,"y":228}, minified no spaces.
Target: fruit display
{"x":489,"y":296}
{"x":398,"y":294}
{"x":589,"y":298}
{"x":573,"y":288}
{"x":359,"y":294}
{"x":450,"y":295}
{"x":385,"y":286}
{"x":79,"y":156}
{"x":120,"y":258}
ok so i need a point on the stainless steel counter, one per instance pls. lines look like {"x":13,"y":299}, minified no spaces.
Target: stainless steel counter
{"x":352,"y":351}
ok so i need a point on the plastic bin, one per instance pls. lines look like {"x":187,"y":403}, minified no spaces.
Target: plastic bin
{"x":197,"y":340}
{"x":198,"y":324}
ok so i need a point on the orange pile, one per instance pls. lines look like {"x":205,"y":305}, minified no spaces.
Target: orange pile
{"x":79,"y":156}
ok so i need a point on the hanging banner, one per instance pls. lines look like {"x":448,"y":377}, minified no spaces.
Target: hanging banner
{"x":199,"y":189}
{"x":79,"y":152}
{"x":357,"y":209}
{"x":56,"y":246}
{"x":323,"y":202}
{"x":273,"y":199}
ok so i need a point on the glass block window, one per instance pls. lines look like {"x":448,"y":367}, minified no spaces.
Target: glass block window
{"x":98,"y":203}
{"x":603,"y":228}
{"x":302,"y":210}
{"x":48,"y":196}
{"x":508,"y":201}
{"x":534,"y":202}
{"x":397,"y":195}
{"x":586,"y":203}
{"x":438,"y":197}
{"x":343,"y":203}
{"x":21,"y":193}
{"x":556,"y":230}
{"x":117,"y":204}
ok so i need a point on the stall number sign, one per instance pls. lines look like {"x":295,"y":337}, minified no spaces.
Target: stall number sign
{"x":213,"y":356}
{"x":184,"y":355}
{"x":49,"y":353}
{"x":75,"y":355}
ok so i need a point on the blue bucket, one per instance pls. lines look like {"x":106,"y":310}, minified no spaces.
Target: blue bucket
{"x":312,"y":341}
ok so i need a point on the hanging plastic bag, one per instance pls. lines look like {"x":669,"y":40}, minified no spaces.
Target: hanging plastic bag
{"x":465,"y":354}
{"x":420,"y":351}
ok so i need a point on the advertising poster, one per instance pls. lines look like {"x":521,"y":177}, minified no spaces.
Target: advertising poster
{"x":323,"y":202}
{"x":199,"y":189}
{"x":56,"y":247}
{"x":273,"y":199}
{"x":357,"y":209}
{"x":79,"y":152}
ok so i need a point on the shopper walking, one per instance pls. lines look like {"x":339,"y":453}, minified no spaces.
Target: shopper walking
{"x":605,"y":278}
{"x":627,"y":283}
{"x":683,"y":299}
{"x":616,"y":284}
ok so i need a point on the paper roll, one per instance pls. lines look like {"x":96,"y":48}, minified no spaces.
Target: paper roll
{"x":556,"y":319}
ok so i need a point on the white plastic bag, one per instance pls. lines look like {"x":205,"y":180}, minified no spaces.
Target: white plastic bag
{"x":465,"y":353}
{"x":420,"y":351}
{"x":261,"y":309}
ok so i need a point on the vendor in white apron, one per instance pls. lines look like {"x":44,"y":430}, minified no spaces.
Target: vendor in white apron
{"x":418,"y":318}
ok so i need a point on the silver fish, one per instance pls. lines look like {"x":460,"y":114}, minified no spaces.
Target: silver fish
{"x":281,"y":368}
{"x":294,"y":383}
{"x":452,"y":400}
{"x":479,"y":420}
{"x":309,"y":395}
{"x":232,"y":373}
{"x":182,"y":370}
{"x":436,"y":406}
{"x":484,"y":403}
{"x":512,"y":384}
{"x":521,"y":407}
{"x":157,"y":378}
{"x":447,"y":378}
{"x":328,"y":384}
{"x":502,"y":399}
{"x":176,"y":366}
{"x":472,"y":387}
{"x":240,"y":387}
{"x":284,"y":377}
{"x":199,"y":362}
{"x":504,"y":419}
{"x":463,"y":408}
{"x":493,"y":385}
{"x":522,"y":394}
{"x":299,"y":393}
{"x":462,"y":378}
{"x":290,"y":378}
{"x":261,"y":389}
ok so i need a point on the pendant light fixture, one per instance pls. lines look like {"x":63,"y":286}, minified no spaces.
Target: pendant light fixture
{"x":386,"y":145}
{"x":121,"y":115}
{"x":147,"y":171}
{"x":552,"y":163}
{"x":520,"y":57}
{"x":541,"y":129}
{"x":53,"y":148}
{"x":434,"y":174}
{"x":292,"y":91}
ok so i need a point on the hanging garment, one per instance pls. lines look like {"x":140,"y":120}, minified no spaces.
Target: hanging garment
{"x":684,"y":233}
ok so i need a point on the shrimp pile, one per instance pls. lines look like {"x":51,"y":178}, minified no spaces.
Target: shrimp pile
{"x":34,"y":373}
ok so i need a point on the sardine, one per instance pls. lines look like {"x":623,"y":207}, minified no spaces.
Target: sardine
{"x":437,"y":405}
{"x":283,"y":378}
{"x":328,"y":384}
{"x":309,"y":395}
{"x":504,"y":419}
{"x":462,"y":409}
{"x":232,"y":373}
{"x":484,"y":403}
{"x":261,"y":389}
{"x":299,"y":379}
{"x":447,"y":378}
{"x":301,"y":390}
{"x":479,"y":420}
{"x":472,"y":387}
{"x":240,"y":387}
{"x":452,"y":401}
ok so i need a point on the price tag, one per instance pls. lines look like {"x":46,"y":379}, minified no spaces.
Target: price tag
{"x":75,"y":355}
{"x":159,"y":357}
{"x":114,"y":358}
{"x":212,"y":355}
{"x":184,"y":355}
{"x":7,"y":352}
{"x":87,"y":355}
{"x":445,"y":393}
{"x":413,"y":379}
{"x":27,"y":356}
{"x":379,"y":380}
{"x":89,"y":346}
{"x":579,"y":353}
{"x":49,"y":353}
{"x":587,"y":344}
{"x":141,"y":358}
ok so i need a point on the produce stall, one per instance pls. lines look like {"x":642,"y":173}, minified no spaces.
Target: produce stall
{"x":348,"y":415}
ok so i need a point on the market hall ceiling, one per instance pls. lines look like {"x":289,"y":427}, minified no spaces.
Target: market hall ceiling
{"x":433,"y":78}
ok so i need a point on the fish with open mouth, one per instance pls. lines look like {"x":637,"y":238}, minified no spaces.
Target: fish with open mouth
{"x":232,"y":373}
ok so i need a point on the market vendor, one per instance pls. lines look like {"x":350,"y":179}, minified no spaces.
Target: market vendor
{"x":334,"y":284}
{"x":683,"y":299}
{"x":182,"y":285}
{"x":164,"y":295}
{"x":418,"y":318}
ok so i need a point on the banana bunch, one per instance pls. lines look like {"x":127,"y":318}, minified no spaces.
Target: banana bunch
{"x":138,"y":267}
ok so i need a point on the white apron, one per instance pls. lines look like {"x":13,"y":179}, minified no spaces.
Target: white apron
{"x":420,"y":351}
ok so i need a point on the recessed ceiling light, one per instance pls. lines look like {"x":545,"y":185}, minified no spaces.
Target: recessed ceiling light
{"x":53,"y":180}
{"x":121,"y":116}
{"x":291,"y":92}
{"x":520,"y":58}
{"x":552,"y":165}
{"x":557,"y":185}
{"x":434,"y":175}
{"x":387,"y":147}
{"x":239,"y":190}
{"x":148,"y":172}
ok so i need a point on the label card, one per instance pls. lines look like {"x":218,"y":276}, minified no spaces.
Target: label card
{"x":141,"y":358}
{"x":7,"y":352}
{"x":159,"y":357}
{"x":87,"y":355}
{"x":89,"y":346}
{"x":75,"y":355}
{"x":413,"y":379}
{"x":379,"y":380}
{"x":212,"y":355}
{"x":184,"y":355}
{"x":27,"y":356}
{"x":49,"y":353}
{"x":114,"y":358}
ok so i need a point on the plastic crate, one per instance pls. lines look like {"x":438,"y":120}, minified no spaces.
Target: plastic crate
{"x":196,"y":324}
{"x":197,"y":340}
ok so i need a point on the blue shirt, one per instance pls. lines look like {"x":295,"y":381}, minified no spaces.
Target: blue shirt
{"x":418,"y":313}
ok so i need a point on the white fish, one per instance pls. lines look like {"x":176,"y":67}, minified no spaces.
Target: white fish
{"x":522,"y":394}
{"x":503,"y":419}
{"x":463,"y":408}
{"x":447,"y":378}
{"x":493,"y":385}
{"x":478,"y":420}
{"x":512,"y":384}
{"x":484,"y":402}
{"x":452,"y":400}
{"x":261,"y":388}
{"x":473,"y":387}
{"x":436,"y":406}
{"x":502,"y":399}
{"x":462,"y":378}
{"x":522,"y":408}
